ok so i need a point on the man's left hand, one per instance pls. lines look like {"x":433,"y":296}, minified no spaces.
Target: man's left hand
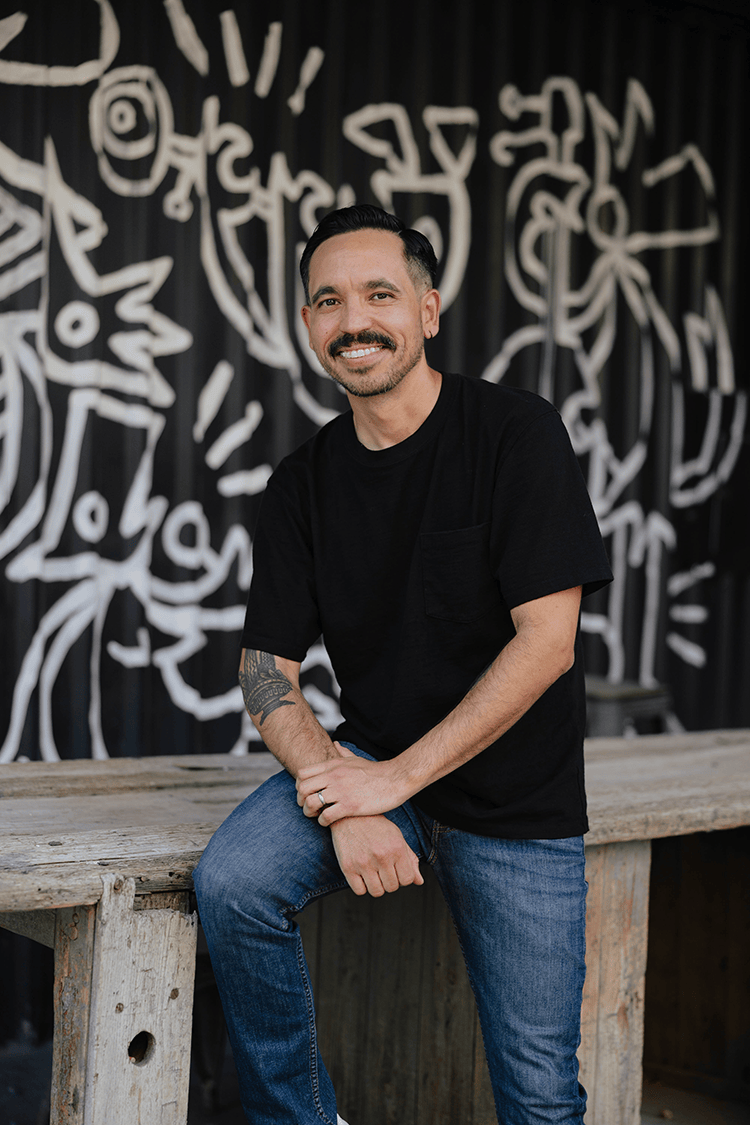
{"x":351,"y":786}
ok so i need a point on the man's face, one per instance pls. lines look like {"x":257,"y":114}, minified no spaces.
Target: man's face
{"x":366,"y":320}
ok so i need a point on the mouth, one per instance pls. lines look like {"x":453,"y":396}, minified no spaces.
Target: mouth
{"x":360,"y":353}
{"x":362,"y":347}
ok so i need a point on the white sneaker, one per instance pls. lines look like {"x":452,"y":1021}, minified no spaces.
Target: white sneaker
{"x":340,"y":1120}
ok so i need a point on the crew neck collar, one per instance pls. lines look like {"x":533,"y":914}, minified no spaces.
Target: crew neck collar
{"x":392,"y":454}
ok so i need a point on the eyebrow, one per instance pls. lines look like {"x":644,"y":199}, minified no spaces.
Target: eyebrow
{"x":372,"y":286}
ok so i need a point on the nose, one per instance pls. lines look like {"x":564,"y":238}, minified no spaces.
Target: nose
{"x":355,"y":316}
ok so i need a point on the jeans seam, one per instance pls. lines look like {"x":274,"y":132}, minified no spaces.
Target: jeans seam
{"x":311,"y":896}
{"x":436,"y":832}
{"x":312,"y":1030}
{"x":312,"y":1033}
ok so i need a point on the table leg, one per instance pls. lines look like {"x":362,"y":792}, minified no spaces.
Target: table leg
{"x":611,"y":1054}
{"x":129,"y":1064}
{"x":74,"y":958}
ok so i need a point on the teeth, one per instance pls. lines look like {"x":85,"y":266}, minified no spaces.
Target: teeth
{"x":361,"y":352}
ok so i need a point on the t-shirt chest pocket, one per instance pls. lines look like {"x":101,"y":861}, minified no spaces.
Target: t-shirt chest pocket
{"x":458,"y":581}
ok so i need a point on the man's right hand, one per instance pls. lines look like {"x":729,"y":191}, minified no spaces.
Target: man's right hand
{"x":373,"y":855}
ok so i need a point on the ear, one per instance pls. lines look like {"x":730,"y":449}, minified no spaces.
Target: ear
{"x":431,"y":313}
{"x":305,"y":314}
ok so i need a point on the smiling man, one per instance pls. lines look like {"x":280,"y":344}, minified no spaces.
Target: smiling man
{"x":440,"y":537}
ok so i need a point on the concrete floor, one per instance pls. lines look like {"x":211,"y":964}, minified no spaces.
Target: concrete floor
{"x":24,"y":1096}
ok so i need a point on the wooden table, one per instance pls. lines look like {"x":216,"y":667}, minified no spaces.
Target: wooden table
{"x":96,"y":861}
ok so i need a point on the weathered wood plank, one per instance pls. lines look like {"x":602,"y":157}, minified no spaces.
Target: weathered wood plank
{"x":612,"y":1013}
{"x":667,"y":785}
{"x":654,"y":786}
{"x":149,"y":820}
{"x":141,"y":1006}
{"x":74,"y":959}
{"x":39,"y":925}
{"x":343,"y":979}
{"x":736,"y":1078}
{"x":55,"y":818}
{"x":394,"y":999}
{"x":78,"y":882}
{"x":697,"y":1025}
{"x":86,"y":777}
{"x":483,"y":1100}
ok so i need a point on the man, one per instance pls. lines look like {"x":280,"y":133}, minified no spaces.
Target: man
{"x":439,"y":536}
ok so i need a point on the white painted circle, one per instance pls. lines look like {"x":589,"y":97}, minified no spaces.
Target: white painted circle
{"x":91,"y":516}
{"x":76,"y":324}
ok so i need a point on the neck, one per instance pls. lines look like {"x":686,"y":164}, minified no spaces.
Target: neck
{"x":381,"y":421}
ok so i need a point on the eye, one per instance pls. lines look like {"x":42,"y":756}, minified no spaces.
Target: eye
{"x":381,"y":296}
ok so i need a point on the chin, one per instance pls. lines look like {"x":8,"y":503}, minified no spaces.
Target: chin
{"x":369,"y":388}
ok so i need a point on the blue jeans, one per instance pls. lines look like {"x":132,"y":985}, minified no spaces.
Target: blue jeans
{"x":519,"y":910}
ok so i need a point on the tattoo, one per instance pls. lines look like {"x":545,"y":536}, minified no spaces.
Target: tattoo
{"x":263,"y":684}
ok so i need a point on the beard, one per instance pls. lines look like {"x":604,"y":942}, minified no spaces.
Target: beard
{"x":359,"y":384}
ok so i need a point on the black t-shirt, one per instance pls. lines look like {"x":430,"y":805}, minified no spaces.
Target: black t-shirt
{"x":408,"y":560}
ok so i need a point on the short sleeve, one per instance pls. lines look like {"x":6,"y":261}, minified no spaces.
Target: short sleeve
{"x":282,"y":612}
{"x":545,"y":534}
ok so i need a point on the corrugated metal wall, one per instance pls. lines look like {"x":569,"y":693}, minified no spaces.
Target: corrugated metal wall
{"x":582,"y":170}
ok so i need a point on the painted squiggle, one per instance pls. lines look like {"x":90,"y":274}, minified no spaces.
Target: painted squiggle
{"x":557,"y":210}
{"x":87,"y":355}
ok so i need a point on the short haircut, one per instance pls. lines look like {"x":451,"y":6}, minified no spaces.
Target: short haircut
{"x":420,"y":257}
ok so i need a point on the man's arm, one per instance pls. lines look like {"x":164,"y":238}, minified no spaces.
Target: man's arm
{"x":539,"y":653}
{"x":371,"y":851}
{"x":281,"y":714}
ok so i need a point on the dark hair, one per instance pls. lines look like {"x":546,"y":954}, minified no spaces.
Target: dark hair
{"x":420,"y":257}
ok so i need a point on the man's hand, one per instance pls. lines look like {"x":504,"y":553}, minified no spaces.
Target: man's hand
{"x":374,"y":856}
{"x":351,"y":786}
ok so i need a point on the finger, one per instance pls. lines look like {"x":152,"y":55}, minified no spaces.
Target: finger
{"x":390,"y":880}
{"x":331,"y":813}
{"x":369,"y":878}
{"x":375,"y":886}
{"x":408,"y":871}
{"x":318,"y":810}
{"x":311,"y":800}
{"x":306,"y":772}
{"x":344,"y":750}
{"x":357,"y":883}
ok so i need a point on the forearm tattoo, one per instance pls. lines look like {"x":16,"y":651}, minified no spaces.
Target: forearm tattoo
{"x":263,"y":684}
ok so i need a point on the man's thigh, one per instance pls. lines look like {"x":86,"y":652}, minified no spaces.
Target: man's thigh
{"x":520,"y":908}
{"x":267,"y":851}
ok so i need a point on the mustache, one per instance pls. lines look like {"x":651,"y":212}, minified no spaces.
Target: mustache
{"x":365,"y":339}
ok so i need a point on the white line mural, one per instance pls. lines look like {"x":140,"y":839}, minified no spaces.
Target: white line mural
{"x":553,"y":202}
{"x":89,"y":354}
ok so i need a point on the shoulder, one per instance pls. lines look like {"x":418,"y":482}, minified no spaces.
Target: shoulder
{"x":296,"y":467}
{"x":503,"y":414}
{"x":502,"y":400}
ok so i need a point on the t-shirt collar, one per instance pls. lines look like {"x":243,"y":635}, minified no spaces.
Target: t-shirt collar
{"x":426,"y":433}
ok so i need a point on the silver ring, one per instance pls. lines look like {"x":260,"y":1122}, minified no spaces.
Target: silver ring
{"x":321,"y":798}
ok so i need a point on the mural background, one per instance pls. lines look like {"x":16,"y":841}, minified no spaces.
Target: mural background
{"x":581,"y":169}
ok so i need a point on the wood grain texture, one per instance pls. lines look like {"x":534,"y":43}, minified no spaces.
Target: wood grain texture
{"x":613,"y":997}
{"x":667,"y":785}
{"x":66,"y":828}
{"x":138,"y":1063}
{"x":39,"y":925}
{"x":61,"y":822}
{"x":393,"y":1000}
{"x":74,"y":962}
{"x":697,"y":1026}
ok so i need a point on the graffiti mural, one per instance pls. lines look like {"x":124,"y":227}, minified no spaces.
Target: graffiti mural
{"x":553,"y":201}
{"x":154,"y":367}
